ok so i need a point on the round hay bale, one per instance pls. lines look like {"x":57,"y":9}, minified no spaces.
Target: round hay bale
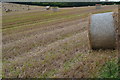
{"x":47,"y":7}
{"x":98,"y":6}
{"x":102,"y":31}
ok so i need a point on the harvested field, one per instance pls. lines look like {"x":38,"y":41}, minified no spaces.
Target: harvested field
{"x":51,"y":44}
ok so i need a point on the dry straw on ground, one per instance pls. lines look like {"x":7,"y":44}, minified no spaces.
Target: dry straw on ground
{"x":118,"y":38}
{"x":117,"y":25}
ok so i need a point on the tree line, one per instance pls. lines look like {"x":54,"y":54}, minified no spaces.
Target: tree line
{"x":66,"y":4}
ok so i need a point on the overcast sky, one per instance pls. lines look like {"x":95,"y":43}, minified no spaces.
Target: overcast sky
{"x":111,"y":0}
{"x":114,"y":0}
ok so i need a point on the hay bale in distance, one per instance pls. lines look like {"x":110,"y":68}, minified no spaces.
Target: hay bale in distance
{"x":102,"y":31}
{"x":98,"y":6}
{"x":47,"y":7}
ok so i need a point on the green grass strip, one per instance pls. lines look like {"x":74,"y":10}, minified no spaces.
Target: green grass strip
{"x":109,"y":70}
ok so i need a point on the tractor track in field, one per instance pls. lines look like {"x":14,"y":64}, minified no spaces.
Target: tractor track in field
{"x":76,"y":11}
{"x":38,"y":19}
{"x":34,"y":41}
{"x":13,"y":37}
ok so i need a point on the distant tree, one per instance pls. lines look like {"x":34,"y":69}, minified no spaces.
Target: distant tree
{"x":66,"y":4}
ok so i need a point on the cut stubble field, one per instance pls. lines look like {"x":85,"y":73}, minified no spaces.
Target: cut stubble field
{"x":50,"y":44}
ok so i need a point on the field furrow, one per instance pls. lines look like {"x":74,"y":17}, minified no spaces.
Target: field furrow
{"x":15,"y":48}
{"x":13,"y":37}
